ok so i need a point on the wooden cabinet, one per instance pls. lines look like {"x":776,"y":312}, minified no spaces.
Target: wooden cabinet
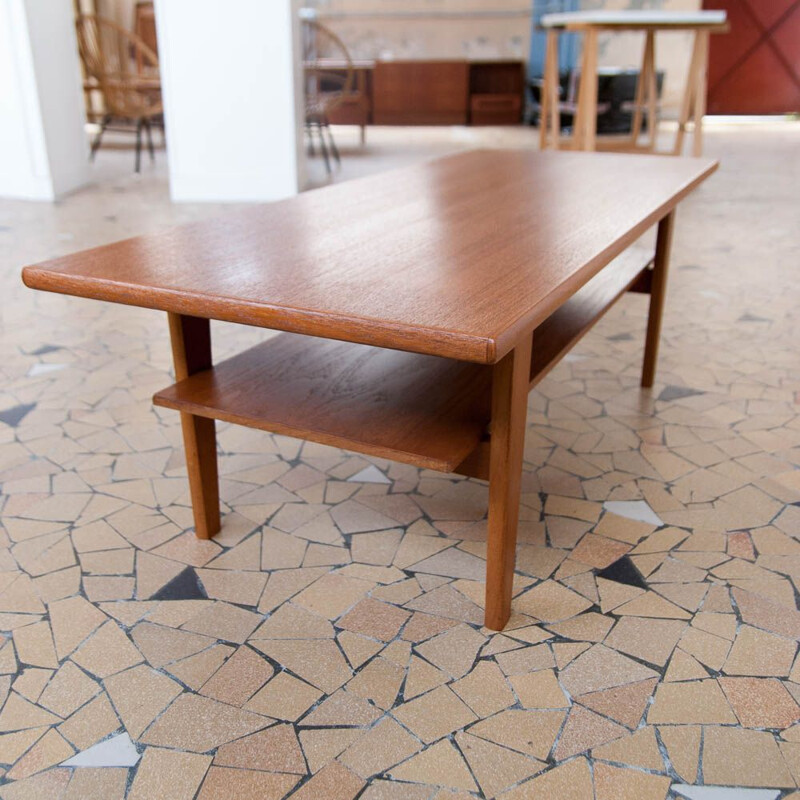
{"x":496,"y":89}
{"x":421,"y":93}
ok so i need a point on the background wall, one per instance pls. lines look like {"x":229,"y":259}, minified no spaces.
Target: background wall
{"x":424,"y":29}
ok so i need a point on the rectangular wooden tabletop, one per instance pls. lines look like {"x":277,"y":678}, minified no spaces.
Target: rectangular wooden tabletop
{"x":455,"y":257}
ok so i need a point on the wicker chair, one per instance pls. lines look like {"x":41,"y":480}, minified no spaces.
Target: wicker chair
{"x":125,"y":71}
{"x":329,"y":79}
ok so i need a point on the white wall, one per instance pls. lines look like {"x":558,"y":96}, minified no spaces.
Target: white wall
{"x":43,"y":148}
{"x":232,"y":90}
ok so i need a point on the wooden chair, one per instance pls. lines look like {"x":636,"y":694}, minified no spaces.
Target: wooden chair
{"x":125,"y":70}
{"x":329,"y":79}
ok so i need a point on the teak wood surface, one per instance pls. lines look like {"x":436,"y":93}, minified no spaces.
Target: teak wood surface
{"x":457,"y":257}
{"x":472,"y":274}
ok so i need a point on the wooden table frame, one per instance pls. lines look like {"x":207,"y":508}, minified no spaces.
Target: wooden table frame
{"x":498,"y":456}
{"x":441,"y":386}
{"x":584,"y":136}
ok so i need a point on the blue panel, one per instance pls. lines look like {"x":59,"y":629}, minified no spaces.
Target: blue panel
{"x":568,"y":42}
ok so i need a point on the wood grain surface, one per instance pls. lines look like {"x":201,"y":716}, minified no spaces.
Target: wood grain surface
{"x":455,"y":257}
{"x":417,"y":409}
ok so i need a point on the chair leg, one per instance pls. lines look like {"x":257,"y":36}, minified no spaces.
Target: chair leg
{"x":139,"y":124}
{"x":148,"y":128}
{"x":312,"y":151}
{"x":334,"y":148}
{"x":99,"y":137}
{"x":363,"y":135}
{"x":324,"y":148}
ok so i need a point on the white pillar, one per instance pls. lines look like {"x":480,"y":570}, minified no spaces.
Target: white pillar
{"x":43,"y":148}
{"x":232,"y":92}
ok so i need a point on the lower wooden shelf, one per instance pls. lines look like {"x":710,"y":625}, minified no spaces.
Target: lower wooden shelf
{"x":559,"y":332}
{"x":417,"y":409}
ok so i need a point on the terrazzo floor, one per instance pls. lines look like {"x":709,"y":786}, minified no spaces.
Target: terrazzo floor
{"x":328,"y":643}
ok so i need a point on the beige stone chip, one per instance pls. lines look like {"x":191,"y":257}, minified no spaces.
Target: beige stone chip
{"x":68,"y":690}
{"x":72,"y":621}
{"x":332,"y":595}
{"x":585,"y":730}
{"x":19,"y":714}
{"x":375,"y":619}
{"x":50,"y":750}
{"x":334,"y":782}
{"x":274,"y":749}
{"x":199,"y":724}
{"x":107,"y":651}
{"x":549,"y":601}
{"x":683,"y":748}
{"x":34,"y":644}
{"x":651,"y":640}
{"x":485,"y":689}
{"x":322,"y":745}
{"x":570,"y":781}
{"x":602,"y":668}
{"x":318,"y":661}
{"x":284,"y":697}
{"x":91,"y":723}
{"x":166,"y":773}
{"x":383,"y":746}
{"x":617,"y":783}
{"x":140,"y":694}
{"x":690,"y":703}
{"x":98,"y":783}
{"x":638,"y":749}
{"x":759,"y":653}
{"x":625,"y":704}
{"x":224,"y":621}
{"x":239,"y":678}
{"x":736,"y":757}
{"x":342,"y":708}
{"x":530,"y":732}
{"x":495,"y":767}
{"x":761,"y":702}
{"x":434,"y":714}
{"x":539,"y":690}
{"x":453,"y":651}
{"x":438,"y":765}
{"x":292,"y":622}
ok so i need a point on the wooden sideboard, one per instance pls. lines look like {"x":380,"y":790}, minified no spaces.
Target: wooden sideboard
{"x":451,"y":92}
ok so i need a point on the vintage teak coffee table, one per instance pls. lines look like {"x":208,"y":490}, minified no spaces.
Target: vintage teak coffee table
{"x":420,"y":307}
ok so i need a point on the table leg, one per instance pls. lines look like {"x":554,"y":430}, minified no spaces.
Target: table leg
{"x":510,"y":385}
{"x":701,"y":78}
{"x":585,"y":122}
{"x":191,"y":352}
{"x":652,"y":94}
{"x":657,"y":295}
{"x":643,"y":80}
{"x":549,"y":116}
{"x":688,"y":95}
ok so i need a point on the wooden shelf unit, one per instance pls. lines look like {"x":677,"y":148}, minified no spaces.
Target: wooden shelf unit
{"x":423,"y":410}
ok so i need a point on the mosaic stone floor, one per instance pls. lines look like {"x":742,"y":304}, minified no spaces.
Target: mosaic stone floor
{"x":328,"y":643}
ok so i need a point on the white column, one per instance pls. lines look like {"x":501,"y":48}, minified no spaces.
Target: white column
{"x":43,"y":147}
{"x":232,"y":93}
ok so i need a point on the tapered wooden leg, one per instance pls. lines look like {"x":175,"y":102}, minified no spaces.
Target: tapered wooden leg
{"x":191,"y":352}
{"x":657,"y":296}
{"x":688,"y":95}
{"x":585,"y":120}
{"x":638,"y":103}
{"x":509,"y":406}
{"x":699,"y":110}
{"x":549,"y":128}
